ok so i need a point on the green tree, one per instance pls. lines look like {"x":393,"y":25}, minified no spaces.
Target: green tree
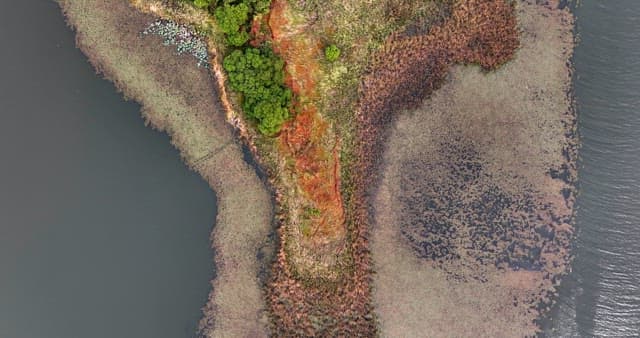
{"x":256,"y":6}
{"x":332,"y":53}
{"x":230,"y":20}
{"x":260,"y":6}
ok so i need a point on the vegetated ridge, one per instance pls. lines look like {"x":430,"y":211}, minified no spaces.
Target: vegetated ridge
{"x":406,"y":70}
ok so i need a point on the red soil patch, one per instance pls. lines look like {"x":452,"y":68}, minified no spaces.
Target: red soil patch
{"x":305,"y":138}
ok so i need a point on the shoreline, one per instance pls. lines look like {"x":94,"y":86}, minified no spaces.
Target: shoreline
{"x":194,"y":118}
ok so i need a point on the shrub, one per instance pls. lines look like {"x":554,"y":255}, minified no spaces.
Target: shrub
{"x":230,"y":19}
{"x":202,"y":3}
{"x":259,"y":6}
{"x":259,"y":76}
{"x":332,"y":53}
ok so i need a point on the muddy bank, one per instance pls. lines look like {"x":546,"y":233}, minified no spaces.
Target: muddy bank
{"x":182,"y":100}
{"x":473,"y":219}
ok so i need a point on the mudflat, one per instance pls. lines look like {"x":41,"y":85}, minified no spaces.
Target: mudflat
{"x":181,"y":99}
{"x":473,"y":219}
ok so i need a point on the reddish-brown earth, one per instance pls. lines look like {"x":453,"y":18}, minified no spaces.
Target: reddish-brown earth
{"x":304,"y":138}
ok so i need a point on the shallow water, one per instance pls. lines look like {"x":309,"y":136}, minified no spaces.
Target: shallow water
{"x":601,"y":297}
{"x":103,"y":230}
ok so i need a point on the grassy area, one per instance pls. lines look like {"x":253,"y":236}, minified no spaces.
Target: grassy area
{"x":183,"y":100}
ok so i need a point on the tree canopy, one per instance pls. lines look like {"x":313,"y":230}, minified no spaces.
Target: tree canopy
{"x":230,"y":19}
{"x":202,"y":3}
{"x":259,"y":76}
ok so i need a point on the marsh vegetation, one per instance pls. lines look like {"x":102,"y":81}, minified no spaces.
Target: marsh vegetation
{"x":474,"y":216}
{"x":312,"y":88}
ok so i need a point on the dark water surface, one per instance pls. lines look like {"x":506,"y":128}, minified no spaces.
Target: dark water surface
{"x":601,"y":297}
{"x":103,"y":231}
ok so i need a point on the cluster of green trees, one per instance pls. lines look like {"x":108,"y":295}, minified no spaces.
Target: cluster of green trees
{"x":256,"y":73}
{"x":234,"y":16}
{"x":259,"y":6}
{"x":259,"y":76}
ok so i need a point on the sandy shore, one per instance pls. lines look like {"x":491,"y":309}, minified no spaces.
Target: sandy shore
{"x":182,"y":100}
{"x":473,"y":219}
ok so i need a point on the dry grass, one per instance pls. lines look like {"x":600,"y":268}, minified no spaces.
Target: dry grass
{"x":182,"y":100}
{"x":469,"y":195}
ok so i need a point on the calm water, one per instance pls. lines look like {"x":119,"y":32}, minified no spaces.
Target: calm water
{"x":602,"y":295}
{"x":103,"y":231}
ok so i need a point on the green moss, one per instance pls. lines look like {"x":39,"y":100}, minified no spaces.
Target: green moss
{"x":305,"y":228}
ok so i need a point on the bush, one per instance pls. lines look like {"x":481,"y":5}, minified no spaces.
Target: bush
{"x":332,"y":53}
{"x":259,"y":76}
{"x":259,"y":6}
{"x":202,"y":3}
{"x":230,"y":19}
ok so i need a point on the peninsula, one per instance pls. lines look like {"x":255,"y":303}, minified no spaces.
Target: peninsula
{"x":419,"y":154}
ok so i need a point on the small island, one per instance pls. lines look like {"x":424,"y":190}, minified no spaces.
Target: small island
{"x":419,"y":157}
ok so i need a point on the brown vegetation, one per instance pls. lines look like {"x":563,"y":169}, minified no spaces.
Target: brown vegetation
{"x":307,"y":138}
{"x":473,"y":218}
{"x":410,"y":67}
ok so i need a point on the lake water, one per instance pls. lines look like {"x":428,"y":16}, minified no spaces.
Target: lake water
{"x":103,"y":231}
{"x":601,"y":297}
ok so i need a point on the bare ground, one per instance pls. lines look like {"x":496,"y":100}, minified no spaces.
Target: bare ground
{"x":182,"y":100}
{"x":473,"y":219}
